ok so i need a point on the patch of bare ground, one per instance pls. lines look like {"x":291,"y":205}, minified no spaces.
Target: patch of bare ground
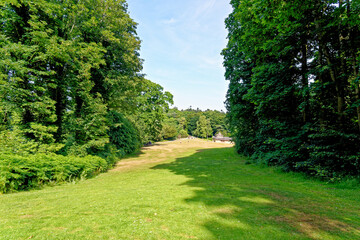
{"x":163,"y":151}
{"x":307,"y":223}
{"x":312,"y":225}
{"x":224,"y":211}
{"x":54,"y":228}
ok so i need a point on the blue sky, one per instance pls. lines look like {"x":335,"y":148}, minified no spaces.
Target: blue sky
{"x":181,"y":45}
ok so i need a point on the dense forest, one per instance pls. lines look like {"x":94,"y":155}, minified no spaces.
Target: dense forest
{"x":71,"y":85}
{"x":294,"y":97}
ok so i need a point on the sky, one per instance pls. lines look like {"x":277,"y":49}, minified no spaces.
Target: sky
{"x":181,"y":45}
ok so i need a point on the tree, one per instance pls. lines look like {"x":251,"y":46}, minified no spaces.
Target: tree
{"x":183,"y":134}
{"x":217,"y":120}
{"x":152,"y":105}
{"x":291,"y":67}
{"x":123,"y":134}
{"x":65,"y":65}
{"x":182,"y":123}
{"x":203,"y":127}
{"x":186,"y":121}
{"x":168,"y":131}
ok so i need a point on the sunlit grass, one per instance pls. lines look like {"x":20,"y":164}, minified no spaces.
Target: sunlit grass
{"x":174,"y":191}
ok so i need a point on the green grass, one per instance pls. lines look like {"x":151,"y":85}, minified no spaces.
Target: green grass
{"x":189,"y":191}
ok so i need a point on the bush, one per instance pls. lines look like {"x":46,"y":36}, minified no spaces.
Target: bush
{"x":123,"y":134}
{"x":26,"y":172}
{"x":183,"y":133}
{"x":168,"y":132}
{"x":333,"y":154}
{"x":26,"y":164}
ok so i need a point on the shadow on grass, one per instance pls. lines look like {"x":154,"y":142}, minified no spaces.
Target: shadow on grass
{"x":139,"y":152}
{"x":248,"y":202}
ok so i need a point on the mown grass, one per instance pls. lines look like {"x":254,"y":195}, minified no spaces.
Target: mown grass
{"x":187,"y":190}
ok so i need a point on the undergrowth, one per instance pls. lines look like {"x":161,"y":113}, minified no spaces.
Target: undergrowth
{"x":32,"y":171}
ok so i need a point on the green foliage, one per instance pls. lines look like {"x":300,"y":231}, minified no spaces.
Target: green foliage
{"x":203,"y":127}
{"x":14,"y":142}
{"x":66,"y":67}
{"x":69,"y":81}
{"x":293,"y":93}
{"x":33,"y":171}
{"x":332,"y":154}
{"x":123,"y":134}
{"x":187,"y":122}
{"x":152,"y":105}
{"x":63,"y":66}
{"x":183,"y":133}
{"x":168,"y":132}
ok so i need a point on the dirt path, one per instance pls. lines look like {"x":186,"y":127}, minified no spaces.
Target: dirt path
{"x":168,"y":150}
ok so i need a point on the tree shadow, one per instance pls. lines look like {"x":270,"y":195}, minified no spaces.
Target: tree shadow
{"x":247,"y":202}
{"x":140,"y":152}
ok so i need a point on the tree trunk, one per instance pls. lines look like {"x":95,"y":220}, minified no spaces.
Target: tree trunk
{"x":337,"y":81}
{"x":59,"y":108}
{"x":305,"y":81}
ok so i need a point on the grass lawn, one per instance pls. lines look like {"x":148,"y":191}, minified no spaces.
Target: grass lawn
{"x":188,"y":189}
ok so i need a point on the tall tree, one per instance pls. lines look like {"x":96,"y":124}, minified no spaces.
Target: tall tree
{"x":64,"y":66}
{"x":152,"y":105}
{"x":292,"y":68}
{"x":203,"y":127}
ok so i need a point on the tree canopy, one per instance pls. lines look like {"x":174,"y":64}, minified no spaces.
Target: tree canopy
{"x":70,"y":73}
{"x":196,"y":122}
{"x":293,"y":97}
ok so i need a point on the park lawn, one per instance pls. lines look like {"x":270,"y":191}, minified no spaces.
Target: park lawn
{"x":189,"y":189}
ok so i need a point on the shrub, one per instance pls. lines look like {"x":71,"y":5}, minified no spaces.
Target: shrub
{"x":168,"y":132}
{"x":123,"y":135}
{"x":32,"y":171}
{"x":26,"y":164}
{"x":333,"y":154}
{"x":183,"y":133}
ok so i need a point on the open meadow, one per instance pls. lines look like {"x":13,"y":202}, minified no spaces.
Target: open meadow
{"x":185,"y":189}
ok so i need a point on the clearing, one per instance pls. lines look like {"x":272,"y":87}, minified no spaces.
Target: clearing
{"x":189,"y":189}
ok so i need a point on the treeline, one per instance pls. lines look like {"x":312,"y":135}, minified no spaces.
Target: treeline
{"x":193,"y":122}
{"x":294,"y":98}
{"x":70,"y":84}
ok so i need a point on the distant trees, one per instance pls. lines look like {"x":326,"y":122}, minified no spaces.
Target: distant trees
{"x":203,"y":127}
{"x":293,"y":97}
{"x":197,"y":123}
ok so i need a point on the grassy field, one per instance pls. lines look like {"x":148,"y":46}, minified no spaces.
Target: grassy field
{"x":188,"y":189}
